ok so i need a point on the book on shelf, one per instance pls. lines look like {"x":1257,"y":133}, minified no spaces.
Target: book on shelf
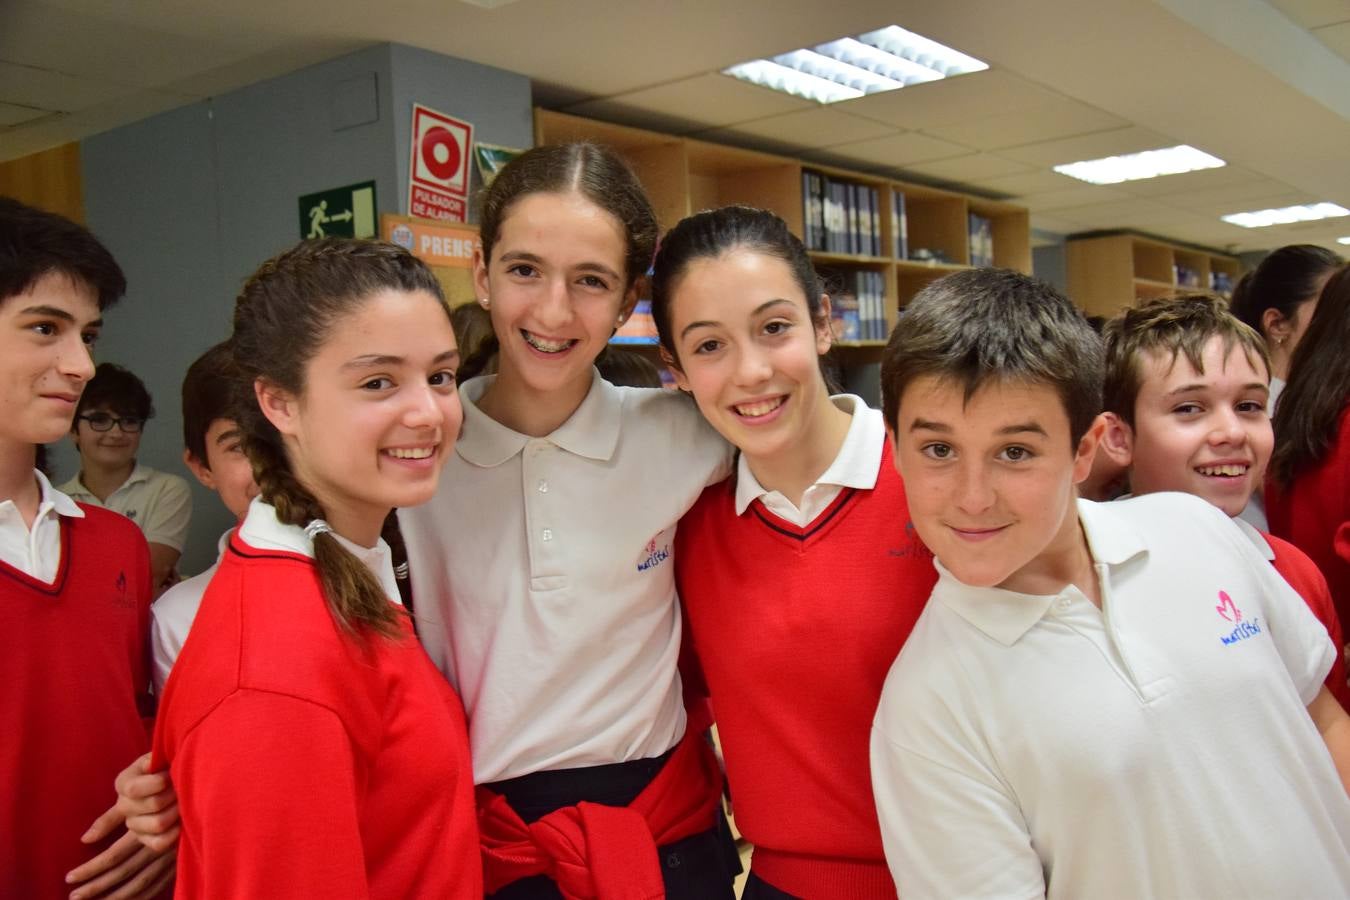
{"x":899,"y":227}
{"x":840,"y":216}
{"x":981,"y":233}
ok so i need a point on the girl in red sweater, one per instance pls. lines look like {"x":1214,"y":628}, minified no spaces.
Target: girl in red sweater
{"x":315,"y":749}
{"x":1308,"y":483}
{"x":801,"y":576}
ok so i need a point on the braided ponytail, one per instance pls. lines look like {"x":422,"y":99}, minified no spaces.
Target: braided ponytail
{"x":282,"y":317}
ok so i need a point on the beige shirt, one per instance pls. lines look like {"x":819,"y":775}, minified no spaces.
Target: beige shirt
{"x":159,"y":503}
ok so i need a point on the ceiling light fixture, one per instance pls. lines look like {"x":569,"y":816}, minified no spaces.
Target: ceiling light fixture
{"x":1344,"y":240}
{"x":881,"y":60}
{"x":1138,"y":166}
{"x":1287,"y":215}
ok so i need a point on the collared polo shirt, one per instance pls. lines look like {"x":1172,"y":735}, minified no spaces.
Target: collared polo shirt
{"x":159,"y":503}
{"x":36,"y":551}
{"x":172,"y":615}
{"x":855,"y":466}
{"x":1156,"y":747}
{"x":544,"y":582}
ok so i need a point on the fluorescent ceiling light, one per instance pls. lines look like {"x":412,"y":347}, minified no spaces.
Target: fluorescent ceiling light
{"x":881,"y":60}
{"x":1344,"y":240}
{"x":1138,"y":166}
{"x":1287,"y":215}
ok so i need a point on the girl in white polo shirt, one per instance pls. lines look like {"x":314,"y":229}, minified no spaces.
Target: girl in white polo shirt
{"x":542,"y":569}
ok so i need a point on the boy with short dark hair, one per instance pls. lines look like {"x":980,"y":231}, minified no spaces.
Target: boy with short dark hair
{"x":1116,"y":699}
{"x":106,"y":430}
{"x":1186,"y":396}
{"x":213,"y":454}
{"x":74,"y":579}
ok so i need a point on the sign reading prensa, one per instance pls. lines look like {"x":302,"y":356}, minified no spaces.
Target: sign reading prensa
{"x":447,"y":246}
{"x":438,"y":177}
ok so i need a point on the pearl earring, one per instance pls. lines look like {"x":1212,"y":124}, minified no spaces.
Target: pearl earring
{"x":483,"y":301}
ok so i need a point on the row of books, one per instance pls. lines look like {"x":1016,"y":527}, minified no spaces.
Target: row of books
{"x":840,"y":216}
{"x":858,"y":307}
{"x":981,"y":233}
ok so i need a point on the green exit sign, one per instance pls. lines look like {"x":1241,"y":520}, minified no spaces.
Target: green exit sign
{"x":340,"y":212}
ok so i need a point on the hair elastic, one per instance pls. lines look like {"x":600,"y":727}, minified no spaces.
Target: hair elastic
{"x":317,"y":527}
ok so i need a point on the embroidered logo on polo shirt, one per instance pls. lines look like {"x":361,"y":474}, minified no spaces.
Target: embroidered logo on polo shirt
{"x":653,"y":555}
{"x":914,"y":545}
{"x":120,"y":597}
{"x":1229,"y":611}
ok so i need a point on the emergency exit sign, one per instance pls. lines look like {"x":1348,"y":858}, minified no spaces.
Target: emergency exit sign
{"x":340,"y":212}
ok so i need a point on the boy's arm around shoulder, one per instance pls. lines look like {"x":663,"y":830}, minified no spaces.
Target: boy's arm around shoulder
{"x":950,"y":825}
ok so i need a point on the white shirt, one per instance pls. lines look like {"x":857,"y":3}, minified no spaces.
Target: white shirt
{"x":544,"y":581}
{"x":262,"y":530}
{"x":159,"y":503}
{"x":855,"y":466}
{"x":1156,"y":747}
{"x":36,"y":551}
{"x":171,"y":617}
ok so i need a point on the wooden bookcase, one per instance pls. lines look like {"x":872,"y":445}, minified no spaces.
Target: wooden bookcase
{"x":685,"y":175}
{"x":1109,"y":272}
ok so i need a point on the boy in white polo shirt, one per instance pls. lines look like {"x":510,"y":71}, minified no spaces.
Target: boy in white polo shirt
{"x":1186,"y":393}
{"x":1100,"y":700}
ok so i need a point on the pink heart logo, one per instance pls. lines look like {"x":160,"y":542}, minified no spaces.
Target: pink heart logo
{"x":1228,"y":609}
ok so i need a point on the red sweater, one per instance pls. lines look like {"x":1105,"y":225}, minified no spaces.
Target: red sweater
{"x":796,"y":629}
{"x":1313,"y":508}
{"x":307,"y":766}
{"x":72,"y":673}
{"x":1303,"y":576}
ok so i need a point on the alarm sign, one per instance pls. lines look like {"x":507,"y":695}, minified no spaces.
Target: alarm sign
{"x":438,"y":177}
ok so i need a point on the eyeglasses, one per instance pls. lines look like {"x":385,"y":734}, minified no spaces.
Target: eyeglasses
{"x":100,"y":421}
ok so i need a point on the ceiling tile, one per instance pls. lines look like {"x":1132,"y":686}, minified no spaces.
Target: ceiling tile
{"x":710,"y":100}
{"x":1337,"y":37}
{"x":1054,"y":224}
{"x":1082,"y":195}
{"x":1029,"y":183}
{"x":11,"y":114}
{"x":1060,"y":119}
{"x":1313,"y":13}
{"x":963,"y":98}
{"x":1089,"y":146}
{"x":815,"y":127}
{"x":1170,"y":185}
{"x":29,"y":86}
{"x":1234,"y":198}
{"x":899,"y":150}
{"x":969,"y":168}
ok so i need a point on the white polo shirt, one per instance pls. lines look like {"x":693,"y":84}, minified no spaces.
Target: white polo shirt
{"x":544,"y":581}
{"x":159,"y":503}
{"x":171,"y":617}
{"x":1156,"y":747}
{"x":36,"y":551}
{"x":855,"y":466}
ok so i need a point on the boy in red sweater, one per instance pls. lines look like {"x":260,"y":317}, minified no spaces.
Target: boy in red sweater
{"x":74,"y":584}
{"x":1186,"y":394}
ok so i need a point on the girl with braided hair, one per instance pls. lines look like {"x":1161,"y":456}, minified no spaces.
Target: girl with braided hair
{"x":315,"y":749}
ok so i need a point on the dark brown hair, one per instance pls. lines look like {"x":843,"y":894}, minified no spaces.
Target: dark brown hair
{"x":1172,"y":327}
{"x":595,"y":172}
{"x":207,"y":390}
{"x":984,"y":326}
{"x":34,"y":243}
{"x":1310,"y":408}
{"x":711,"y":234}
{"x":1284,"y":280}
{"x":284,"y":314}
{"x":117,"y":389}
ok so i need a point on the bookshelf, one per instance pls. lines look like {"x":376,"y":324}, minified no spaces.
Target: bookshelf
{"x":1107,"y":272}
{"x":685,"y":175}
